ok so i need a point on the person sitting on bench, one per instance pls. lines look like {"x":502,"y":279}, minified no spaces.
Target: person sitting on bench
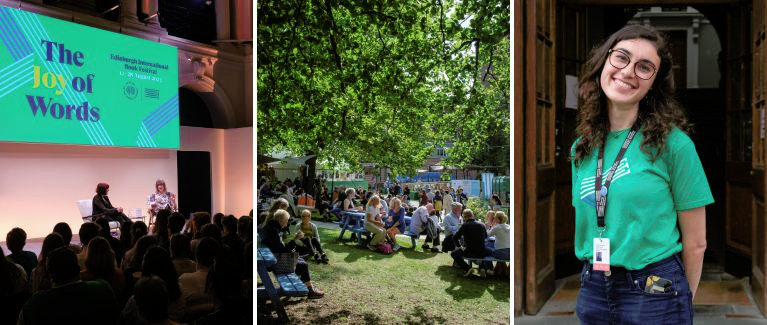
{"x":474,"y":235}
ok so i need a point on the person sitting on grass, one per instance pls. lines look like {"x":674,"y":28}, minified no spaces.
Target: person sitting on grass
{"x":474,"y":235}
{"x":419,"y":224}
{"x":373,"y":222}
{"x":311,"y":240}
{"x":271,"y":237}
{"x":15,"y":240}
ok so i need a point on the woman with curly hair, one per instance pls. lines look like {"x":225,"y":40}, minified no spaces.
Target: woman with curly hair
{"x":639,"y":189}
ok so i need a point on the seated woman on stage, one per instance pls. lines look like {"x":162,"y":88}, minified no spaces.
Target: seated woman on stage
{"x":160,"y":199}
{"x":103,"y":208}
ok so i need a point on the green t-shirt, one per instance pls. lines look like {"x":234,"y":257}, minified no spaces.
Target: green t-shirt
{"x":643,"y":199}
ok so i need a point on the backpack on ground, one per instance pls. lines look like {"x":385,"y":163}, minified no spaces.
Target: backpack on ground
{"x":384,"y":248}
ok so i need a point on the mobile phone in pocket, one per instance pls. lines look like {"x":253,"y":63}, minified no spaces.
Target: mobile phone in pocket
{"x":657,"y":284}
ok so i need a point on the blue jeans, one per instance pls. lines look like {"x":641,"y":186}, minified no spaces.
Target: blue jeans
{"x":620,"y":297}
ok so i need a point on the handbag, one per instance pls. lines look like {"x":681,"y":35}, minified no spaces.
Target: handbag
{"x":286,"y":263}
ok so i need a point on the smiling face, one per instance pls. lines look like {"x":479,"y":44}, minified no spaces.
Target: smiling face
{"x":622,"y":86}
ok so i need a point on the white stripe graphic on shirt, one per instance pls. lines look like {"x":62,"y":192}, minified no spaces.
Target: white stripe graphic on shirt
{"x":588,"y":183}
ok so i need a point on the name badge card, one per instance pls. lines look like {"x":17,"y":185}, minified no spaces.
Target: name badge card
{"x":601,"y":254}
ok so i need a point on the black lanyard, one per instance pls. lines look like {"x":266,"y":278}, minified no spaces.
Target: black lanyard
{"x":601,"y":192}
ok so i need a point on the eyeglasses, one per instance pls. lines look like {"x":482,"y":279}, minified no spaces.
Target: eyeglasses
{"x":619,"y":59}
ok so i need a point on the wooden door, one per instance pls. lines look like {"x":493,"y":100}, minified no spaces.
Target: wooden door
{"x":738,"y":178}
{"x":759,"y":226}
{"x":535,"y":113}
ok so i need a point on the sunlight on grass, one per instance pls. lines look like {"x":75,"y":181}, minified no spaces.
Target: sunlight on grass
{"x":407,"y":287}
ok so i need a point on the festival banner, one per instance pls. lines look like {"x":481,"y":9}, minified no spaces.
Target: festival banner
{"x":66,"y":83}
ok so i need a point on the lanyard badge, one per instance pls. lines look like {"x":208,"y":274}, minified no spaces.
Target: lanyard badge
{"x":602,"y":245}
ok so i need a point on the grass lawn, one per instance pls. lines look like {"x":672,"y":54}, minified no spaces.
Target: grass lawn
{"x":406,"y":287}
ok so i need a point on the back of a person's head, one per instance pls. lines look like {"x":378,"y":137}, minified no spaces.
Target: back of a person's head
{"x":199,"y":219}
{"x":50,"y":243}
{"x":180,"y":246}
{"x":242,"y":224}
{"x":87,"y":231}
{"x":176,"y":222}
{"x":217,"y":219}
{"x":62,"y":266}
{"x":229,"y":223}
{"x":157,"y":262}
{"x":138,"y":230}
{"x":63,"y":229}
{"x":16,"y":239}
{"x":104,"y":224}
{"x":151,"y":297}
{"x":207,"y":250}
{"x":161,"y":220}
{"x":212,"y":231}
{"x":142,"y":245}
{"x":100,"y":259}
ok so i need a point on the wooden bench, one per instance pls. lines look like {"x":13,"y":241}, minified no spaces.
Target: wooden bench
{"x":290,"y":284}
{"x":413,"y":237}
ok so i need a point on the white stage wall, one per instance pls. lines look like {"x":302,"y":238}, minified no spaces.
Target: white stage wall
{"x":39,"y":183}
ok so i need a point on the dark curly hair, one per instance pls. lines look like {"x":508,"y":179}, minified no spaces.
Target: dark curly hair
{"x":659,"y":111}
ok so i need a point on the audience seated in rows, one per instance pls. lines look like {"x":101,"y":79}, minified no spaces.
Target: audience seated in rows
{"x":152,"y":301}
{"x":160,"y":228}
{"x":176,"y":223}
{"x":88,"y":231}
{"x":63,"y":229}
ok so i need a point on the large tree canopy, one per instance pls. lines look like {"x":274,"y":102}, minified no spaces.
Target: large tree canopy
{"x":382,"y":82}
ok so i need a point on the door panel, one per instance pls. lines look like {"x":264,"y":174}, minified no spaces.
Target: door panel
{"x":538,"y":113}
{"x":757,"y":112}
{"x":738,"y":165}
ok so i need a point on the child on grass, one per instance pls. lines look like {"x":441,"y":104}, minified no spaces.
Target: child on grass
{"x":311,"y":240}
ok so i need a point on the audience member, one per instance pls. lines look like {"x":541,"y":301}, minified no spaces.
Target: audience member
{"x":271,"y":237}
{"x":126,"y":237}
{"x":244,"y":225}
{"x":63,"y":229}
{"x":13,"y":293}
{"x":181,"y":254}
{"x":419,"y":224}
{"x":288,"y":196}
{"x":422,"y":198}
{"x":15,"y":240}
{"x":230,"y":237}
{"x":224,"y":287}
{"x":348,"y":203}
{"x":311,"y":241}
{"x":490,"y":220}
{"x":160,"y":228}
{"x":156,"y":262}
{"x":137,"y":230}
{"x":70,"y":301}
{"x":40,"y":279}
{"x":447,"y":203}
{"x":474,"y":235}
{"x":135,"y":256}
{"x":88,"y":231}
{"x":199,"y":219}
{"x":114,"y":243}
{"x":450,"y":224}
{"x":152,"y":301}
{"x":497,"y":203}
{"x":100,"y":264}
{"x":193,"y":284}
{"x":217,"y":218}
{"x":176,"y":223}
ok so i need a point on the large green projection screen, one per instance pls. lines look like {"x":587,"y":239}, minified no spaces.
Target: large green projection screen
{"x":61,"y":82}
